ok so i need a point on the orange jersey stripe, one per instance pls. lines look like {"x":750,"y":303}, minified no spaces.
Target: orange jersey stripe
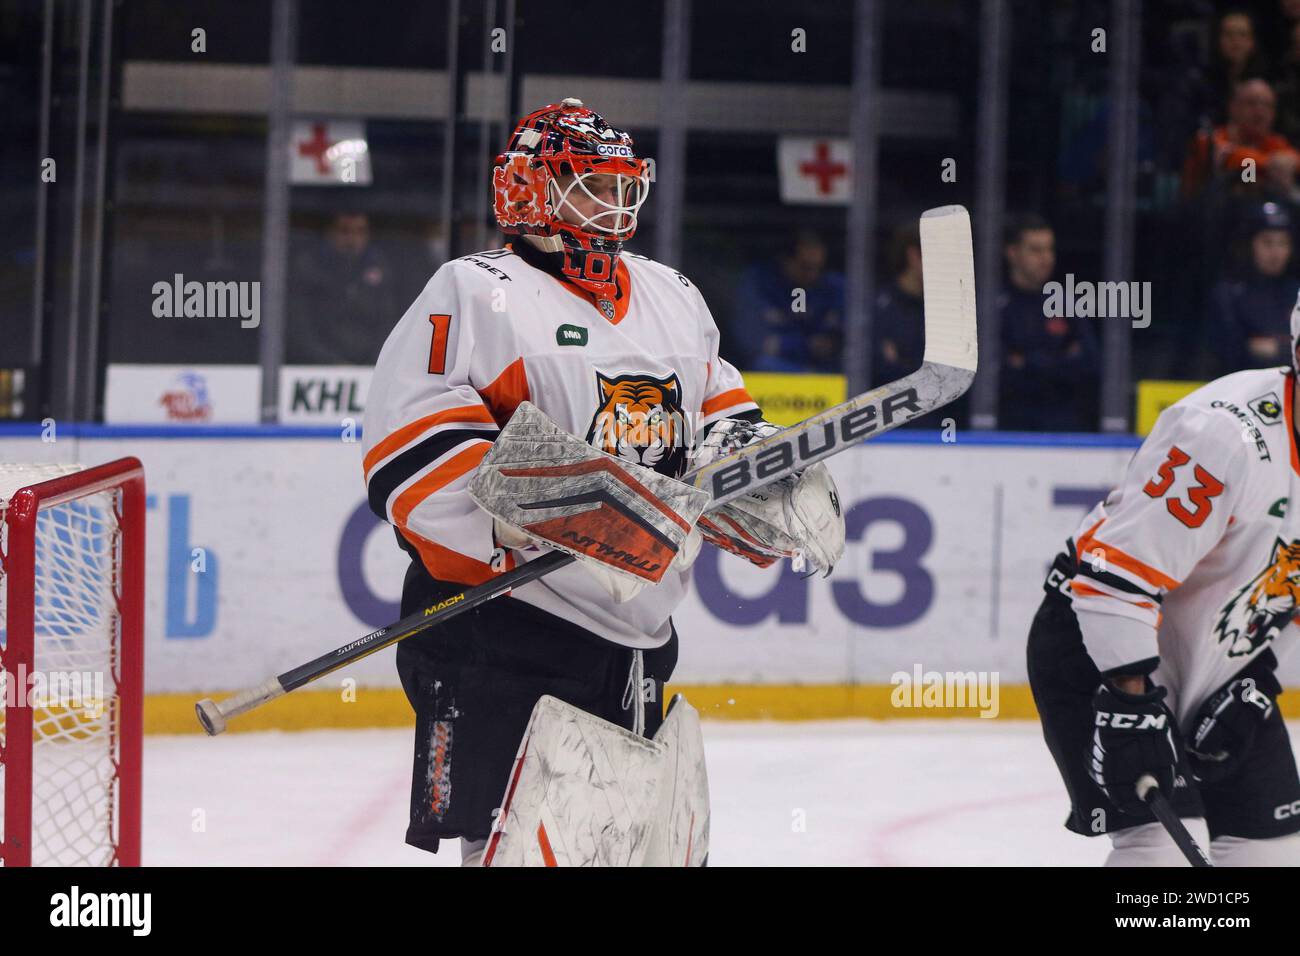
{"x":506,"y":391}
{"x":1078,"y":587}
{"x":448,"y":565}
{"x":465,"y":460}
{"x":442,"y":562}
{"x":736,"y":396}
{"x":1089,"y":544}
{"x":403,"y":435}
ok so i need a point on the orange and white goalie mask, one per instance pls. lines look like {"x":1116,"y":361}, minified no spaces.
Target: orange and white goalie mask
{"x":570,"y":177}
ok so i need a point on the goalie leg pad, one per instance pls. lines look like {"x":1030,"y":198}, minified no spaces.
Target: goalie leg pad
{"x":583,"y":792}
{"x":682,"y":833}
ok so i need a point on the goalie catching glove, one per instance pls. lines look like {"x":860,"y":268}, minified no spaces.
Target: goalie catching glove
{"x":624,"y":523}
{"x":798,"y":517}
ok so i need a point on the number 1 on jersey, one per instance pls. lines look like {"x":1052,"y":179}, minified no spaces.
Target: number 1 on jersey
{"x":438,"y":348}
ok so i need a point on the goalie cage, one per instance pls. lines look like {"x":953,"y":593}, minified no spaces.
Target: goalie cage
{"x":72,"y":663}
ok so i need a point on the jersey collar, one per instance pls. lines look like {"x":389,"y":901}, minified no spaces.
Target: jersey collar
{"x":613,"y":310}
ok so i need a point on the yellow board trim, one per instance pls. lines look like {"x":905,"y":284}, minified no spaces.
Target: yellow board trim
{"x":387,"y":707}
{"x":788,"y":398}
{"x":1154,"y":396}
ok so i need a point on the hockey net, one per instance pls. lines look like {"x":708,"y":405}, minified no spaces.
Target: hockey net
{"x":71,"y":660}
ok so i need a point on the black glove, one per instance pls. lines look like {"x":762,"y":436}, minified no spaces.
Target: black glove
{"x":1133,"y":735}
{"x":1226,"y":726}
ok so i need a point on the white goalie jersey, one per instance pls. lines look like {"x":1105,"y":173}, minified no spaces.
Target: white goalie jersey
{"x":637,"y":376}
{"x":1195,"y":558}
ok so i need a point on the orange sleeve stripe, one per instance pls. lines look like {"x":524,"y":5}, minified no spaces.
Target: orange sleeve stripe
{"x":1089,"y":545}
{"x":403,"y":435}
{"x":448,"y":565}
{"x":440,"y":561}
{"x":458,"y":464}
{"x":1078,"y":587}
{"x":506,"y":391}
{"x":736,"y":396}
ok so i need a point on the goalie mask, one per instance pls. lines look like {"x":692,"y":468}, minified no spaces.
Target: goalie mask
{"x":569,"y":176}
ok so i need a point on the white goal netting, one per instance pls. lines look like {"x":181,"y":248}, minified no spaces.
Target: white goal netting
{"x":72,"y":686}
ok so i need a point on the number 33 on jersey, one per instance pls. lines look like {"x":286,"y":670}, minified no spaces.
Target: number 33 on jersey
{"x":1195,"y":558}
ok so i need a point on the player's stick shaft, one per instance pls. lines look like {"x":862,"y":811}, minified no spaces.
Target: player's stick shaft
{"x":1149,"y":793}
{"x":946,"y":372}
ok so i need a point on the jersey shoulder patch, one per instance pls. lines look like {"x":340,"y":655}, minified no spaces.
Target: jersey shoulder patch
{"x":1227,"y":422}
{"x":492,"y":264}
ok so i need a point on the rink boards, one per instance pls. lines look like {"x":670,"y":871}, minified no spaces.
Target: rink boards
{"x":263,"y":554}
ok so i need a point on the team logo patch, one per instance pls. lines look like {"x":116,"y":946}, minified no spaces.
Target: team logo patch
{"x":1257,"y":612}
{"x":607,"y":307}
{"x":570,"y":335}
{"x":1267,"y":408}
{"x":639,"y":418}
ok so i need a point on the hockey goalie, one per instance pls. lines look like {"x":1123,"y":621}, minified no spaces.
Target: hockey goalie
{"x":1154,"y":650}
{"x":541,"y":736}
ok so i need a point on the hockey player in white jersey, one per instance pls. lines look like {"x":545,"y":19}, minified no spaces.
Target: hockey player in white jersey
{"x":616,"y":349}
{"x":1155,"y":647}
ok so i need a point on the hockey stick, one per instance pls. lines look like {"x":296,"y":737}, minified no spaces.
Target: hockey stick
{"x":1149,"y":793}
{"x":946,"y":371}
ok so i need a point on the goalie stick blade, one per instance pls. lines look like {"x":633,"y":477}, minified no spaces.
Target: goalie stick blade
{"x":946,"y":371}
{"x":948,"y":274}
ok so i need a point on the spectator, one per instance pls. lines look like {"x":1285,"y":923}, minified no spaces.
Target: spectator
{"x":1049,"y":363}
{"x":1288,"y":85}
{"x":343,"y":301}
{"x":1276,"y":28}
{"x":1249,"y":319}
{"x":1236,"y":58}
{"x":898,"y":324}
{"x":1248,"y":135}
{"x":899,"y":321}
{"x":790,"y":316}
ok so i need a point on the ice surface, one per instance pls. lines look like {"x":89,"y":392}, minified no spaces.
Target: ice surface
{"x":855,"y":793}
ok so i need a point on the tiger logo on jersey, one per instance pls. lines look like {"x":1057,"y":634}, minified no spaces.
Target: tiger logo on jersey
{"x":640,"y":420}
{"x":1258,"y":611}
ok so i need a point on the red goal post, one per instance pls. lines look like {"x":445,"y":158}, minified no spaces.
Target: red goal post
{"x":72,"y":587}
